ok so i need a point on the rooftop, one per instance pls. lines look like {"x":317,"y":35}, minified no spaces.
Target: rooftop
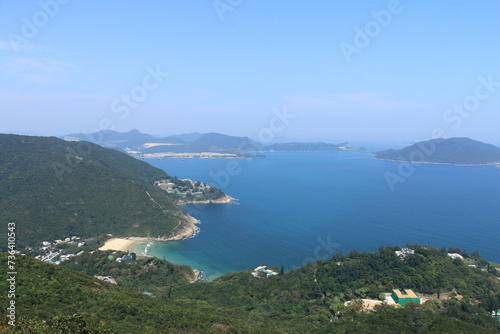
{"x":406,"y":294}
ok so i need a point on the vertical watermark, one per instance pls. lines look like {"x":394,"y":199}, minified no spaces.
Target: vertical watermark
{"x":11,"y":273}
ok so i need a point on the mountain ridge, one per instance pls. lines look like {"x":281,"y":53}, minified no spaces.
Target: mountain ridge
{"x":456,"y":151}
{"x":142,"y":145}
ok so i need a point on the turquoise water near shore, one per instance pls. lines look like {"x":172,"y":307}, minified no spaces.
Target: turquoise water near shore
{"x":298,"y":207}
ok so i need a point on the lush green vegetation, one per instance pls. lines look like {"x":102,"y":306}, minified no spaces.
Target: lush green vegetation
{"x":309,"y":299}
{"x":317,"y":292}
{"x":53,"y":189}
{"x":65,"y":298}
{"x":460,"y":151}
{"x":142,"y":275}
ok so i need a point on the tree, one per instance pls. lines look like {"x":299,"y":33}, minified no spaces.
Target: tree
{"x":476,"y":255}
{"x":354,"y":253}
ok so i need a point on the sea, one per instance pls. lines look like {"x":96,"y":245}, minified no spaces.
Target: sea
{"x":298,"y":207}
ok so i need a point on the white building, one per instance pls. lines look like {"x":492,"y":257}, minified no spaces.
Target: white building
{"x":455,"y":256}
{"x":263,"y":269}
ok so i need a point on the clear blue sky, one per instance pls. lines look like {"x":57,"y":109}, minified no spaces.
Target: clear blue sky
{"x":65,"y":67}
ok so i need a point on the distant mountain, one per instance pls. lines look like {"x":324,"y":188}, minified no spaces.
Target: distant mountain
{"x":138,"y":144}
{"x":187,"y":137}
{"x":313,"y":147}
{"x":54,"y":189}
{"x":216,"y":142}
{"x":459,"y":151}
{"x":143,"y":145}
{"x":133,"y":139}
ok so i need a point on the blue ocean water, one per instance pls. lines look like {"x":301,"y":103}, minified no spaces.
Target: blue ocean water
{"x":298,"y":207}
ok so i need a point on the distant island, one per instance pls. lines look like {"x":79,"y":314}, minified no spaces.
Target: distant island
{"x":313,"y":147}
{"x":199,"y":145}
{"x":453,"y":151}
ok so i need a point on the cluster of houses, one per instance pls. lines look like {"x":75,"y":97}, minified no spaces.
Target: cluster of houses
{"x":404,"y":252}
{"x":170,"y":187}
{"x":54,"y":256}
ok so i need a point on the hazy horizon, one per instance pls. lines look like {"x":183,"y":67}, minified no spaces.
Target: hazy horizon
{"x":370,"y":72}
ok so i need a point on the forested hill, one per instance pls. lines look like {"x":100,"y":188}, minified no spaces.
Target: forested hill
{"x":53,"y":189}
{"x":459,"y":151}
{"x":310,"y":299}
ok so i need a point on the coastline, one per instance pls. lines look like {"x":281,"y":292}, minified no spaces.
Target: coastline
{"x":196,"y":276}
{"x":126,"y":244}
{"x":122,"y":244}
{"x":226,"y":199}
{"x":439,"y":163}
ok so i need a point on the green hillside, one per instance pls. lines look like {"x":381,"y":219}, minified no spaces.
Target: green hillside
{"x":54,"y":299}
{"x":460,"y":151}
{"x":53,"y":189}
{"x":306,"y":300}
{"x":317,"y":292}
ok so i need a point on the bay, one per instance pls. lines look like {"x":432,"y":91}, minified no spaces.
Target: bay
{"x":298,"y":207}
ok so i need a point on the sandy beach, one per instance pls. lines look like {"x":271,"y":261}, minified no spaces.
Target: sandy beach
{"x":121,"y":244}
{"x":129,"y":243}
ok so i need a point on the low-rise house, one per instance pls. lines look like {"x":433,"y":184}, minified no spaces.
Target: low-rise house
{"x":404,"y":252}
{"x":129,"y":256}
{"x":404,"y":296}
{"x":455,"y":256}
{"x":262,"y":270}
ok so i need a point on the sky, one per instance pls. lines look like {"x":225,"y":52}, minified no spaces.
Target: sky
{"x":366,"y":72}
